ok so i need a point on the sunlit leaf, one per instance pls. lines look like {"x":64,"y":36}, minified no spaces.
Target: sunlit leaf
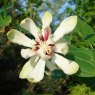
{"x":5,"y":21}
{"x":85,"y":31}
{"x":85,"y":58}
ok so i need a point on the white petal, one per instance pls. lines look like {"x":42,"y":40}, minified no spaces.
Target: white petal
{"x":46,"y":19}
{"x":71,"y":68}
{"x":61,"y":48}
{"x":29,"y":66}
{"x":17,"y":37}
{"x":26,"y":53}
{"x":51,"y":65}
{"x":68,"y":67}
{"x":65,"y":27}
{"x":50,"y":41}
{"x":30,"y":26}
{"x":38,"y":73}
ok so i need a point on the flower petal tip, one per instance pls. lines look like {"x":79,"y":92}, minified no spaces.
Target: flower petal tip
{"x":48,"y":14}
{"x":10,"y":34}
{"x":70,"y":21}
{"x":33,"y":80}
{"x":46,"y":19}
{"x":22,"y":75}
{"x":25,"y":21}
{"x":72,"y":68}
{"x":66,"y":26}
{"x":74,"y":18}
{"x":38,"y":73}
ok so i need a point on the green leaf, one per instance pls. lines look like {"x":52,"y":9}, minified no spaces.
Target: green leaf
{"x":5,"y":21}
{"x":89,"y":36}
{"x":93,"y":52}
{"x":85,"y":58}
{"x":85,"y":31}
{"x":1,"y":21}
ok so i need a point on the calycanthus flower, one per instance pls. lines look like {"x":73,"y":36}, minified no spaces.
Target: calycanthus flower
{"x":44,"y":49}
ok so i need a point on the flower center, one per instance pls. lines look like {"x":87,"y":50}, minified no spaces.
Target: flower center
{"x":44,"y":46}
{"x":44,"y":49}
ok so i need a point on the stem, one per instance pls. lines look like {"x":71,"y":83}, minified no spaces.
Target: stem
{"x":5,"y":7}
{"x":13,"y":12}
{"x":30,"y":8}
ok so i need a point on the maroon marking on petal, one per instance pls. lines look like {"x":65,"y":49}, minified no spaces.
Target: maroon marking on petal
{"x":47,"y":33}
{"x":37,"y":43}
{"x":41,"y":38}
{"x":35,"y":48}
{"x":51,"y":45}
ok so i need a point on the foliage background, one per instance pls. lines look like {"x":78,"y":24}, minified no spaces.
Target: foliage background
{"x":11,"y":62}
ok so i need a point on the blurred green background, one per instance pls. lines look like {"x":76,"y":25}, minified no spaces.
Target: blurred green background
{"x":12,"y":12}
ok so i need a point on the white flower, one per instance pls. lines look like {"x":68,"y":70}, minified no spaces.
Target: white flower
{"x":43,"y":50}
